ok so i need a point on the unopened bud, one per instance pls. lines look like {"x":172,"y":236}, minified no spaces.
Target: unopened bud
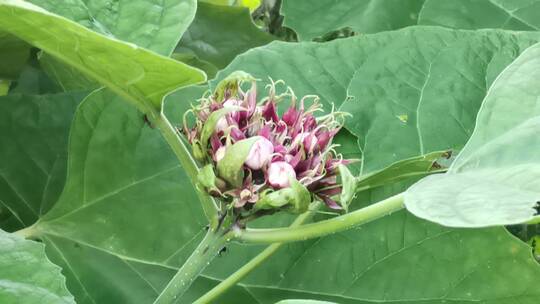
{"x":219,"y":153}
{"x":279,"y":174}
{"x":260,"y":154}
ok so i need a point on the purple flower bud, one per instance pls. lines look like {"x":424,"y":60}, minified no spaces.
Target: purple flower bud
{"x":279,"y":174}
{"x":260,"y":154}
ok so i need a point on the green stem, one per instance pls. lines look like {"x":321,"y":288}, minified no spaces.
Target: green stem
{"x":253,"y":263}
{"x":188,"y":164}
{"x":192,"y":268}
{"x":322,"y":228}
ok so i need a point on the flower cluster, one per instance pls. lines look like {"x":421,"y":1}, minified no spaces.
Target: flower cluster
{"x":256,"y":158}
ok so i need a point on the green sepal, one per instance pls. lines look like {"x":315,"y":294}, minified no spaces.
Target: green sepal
{"x":230,"y":167}
{"x":210,"y":124}
{"x":231,"y":83}
{"x":348,"y":187}
{"x":207,"y":180}
{"x":198,"y":152}
{"x":295,"y":199}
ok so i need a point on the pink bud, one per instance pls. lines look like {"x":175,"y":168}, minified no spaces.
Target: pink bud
{"x":279,"y":174}
{"x":260,"y":154}
{"x":220,"y":153}
{"x":222,"y":123}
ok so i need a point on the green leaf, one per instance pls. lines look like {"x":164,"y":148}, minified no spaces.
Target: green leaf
{"x":495,"y":180}
{"x":476,"y":14}
{"x":314,"y":21}
{"x":219,"y":33}
{"x":96,"y":276}
{"x":230,"y":167}
{"x":438,"y":85}
{"x":156,"y":26}
{"x":109,"y":138}
{"x":33,"y":136}
{"x":123,"y":261}
{"x":194,"y":61}
{"x":303,"y":302}
{"x":137,"y":74}
{"x":27,"y":276}
{"x":33,"y":80}
{"x":66,"y":76}
{"x":404,"y":169}
{"x":13,"y":56}
{"x":311,"y":20}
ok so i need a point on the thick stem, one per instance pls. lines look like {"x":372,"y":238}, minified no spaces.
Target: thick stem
{"x":253,"y":263}
{"x":207,"y":250}
{"x":188,"y":164}
{"x":325,"y":227}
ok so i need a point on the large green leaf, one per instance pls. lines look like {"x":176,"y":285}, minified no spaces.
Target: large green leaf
{"x":311,"y":20}
{"x":38,"y":125}
{"x":33,"y":141}
{"x":477,"y":14}
{"x":13,"y":55}
{"x":95,"y":276}
{"x":495,"y":180}
{"x":422,"y":85}
{"x":156,"y":26}
{"x":219,"y":33}
{"x":135,"y":73}
{"x":66,"y":77}
{"x":33,"y":80}
{"x":314,"y":19}
{"x":27,"y":276}
{"x":119,"y":165}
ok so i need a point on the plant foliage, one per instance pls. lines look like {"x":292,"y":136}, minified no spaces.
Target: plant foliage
{"x":441,"y":101}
